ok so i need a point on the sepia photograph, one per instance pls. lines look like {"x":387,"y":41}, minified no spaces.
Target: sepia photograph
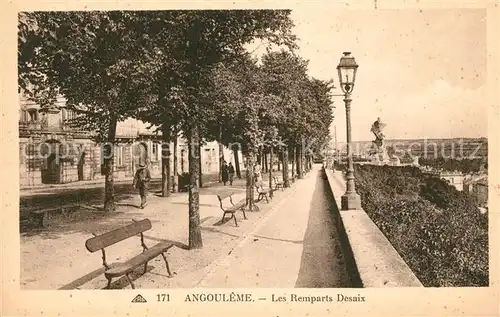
{"x":307,"y":149}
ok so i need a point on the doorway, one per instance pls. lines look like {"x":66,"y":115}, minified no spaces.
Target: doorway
{"x":81,"y":165}
{"x":141,"y":154}
{"x":53,"y":172}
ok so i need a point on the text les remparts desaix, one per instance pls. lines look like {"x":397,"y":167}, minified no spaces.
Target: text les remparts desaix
{"x":247,"y":297}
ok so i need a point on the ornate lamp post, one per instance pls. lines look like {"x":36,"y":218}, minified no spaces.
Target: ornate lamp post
{"x":347,"y":75}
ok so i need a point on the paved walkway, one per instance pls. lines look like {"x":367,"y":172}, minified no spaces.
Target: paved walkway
{"x":294,"y":246}
{"x":291,"y":242}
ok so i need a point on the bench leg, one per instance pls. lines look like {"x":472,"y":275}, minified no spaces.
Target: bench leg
{"x":109,"y":283}
{"x":244,"y":215}
{"x":145,"y":268}
{"x":166,"y":263}
{"x":223,"y":216}
{"x":236,"y":223}
{"x":130,"y":281}
{"x":267,"y":200}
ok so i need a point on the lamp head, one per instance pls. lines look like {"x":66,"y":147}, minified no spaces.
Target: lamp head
{"x":347,"y":72}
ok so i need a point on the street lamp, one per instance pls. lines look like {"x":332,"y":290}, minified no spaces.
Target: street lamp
{"x":347,"y":75}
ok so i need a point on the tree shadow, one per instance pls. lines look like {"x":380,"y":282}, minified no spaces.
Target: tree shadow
{"x":128,"y":205}
{"x":173,"y":243}
{"x":221,"y":221}
{"x":217,"y":231}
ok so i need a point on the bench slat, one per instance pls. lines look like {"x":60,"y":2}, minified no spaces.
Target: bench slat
{"x":236,"y":207}
{"x":119,"y":269}
{"x":117,"y":235}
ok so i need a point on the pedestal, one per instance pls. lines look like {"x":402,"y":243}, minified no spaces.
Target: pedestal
{"x":350,"y":201}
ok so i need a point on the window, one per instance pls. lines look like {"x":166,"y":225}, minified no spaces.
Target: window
{"x":67,"y":114}
{"x":154,"y":150}
{"x":31,"y":157}
{"x":32,"y":115}
{"x":119,"y":155}
{"x":23,"y":116}
{"x":182,"y":160}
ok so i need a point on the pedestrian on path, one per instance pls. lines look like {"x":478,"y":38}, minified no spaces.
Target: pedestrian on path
{"x":230,"y":170}
{"x":141,"y":182}
{"x":225,"y":173}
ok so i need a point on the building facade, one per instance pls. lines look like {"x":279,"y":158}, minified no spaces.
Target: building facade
{"x":52,"y":152}
{"x":477,"y":186}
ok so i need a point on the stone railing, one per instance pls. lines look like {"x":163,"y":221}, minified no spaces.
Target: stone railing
{"x":370,"y":258}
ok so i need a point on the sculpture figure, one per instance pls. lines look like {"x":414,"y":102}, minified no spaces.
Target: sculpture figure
{"x":378,"y":147}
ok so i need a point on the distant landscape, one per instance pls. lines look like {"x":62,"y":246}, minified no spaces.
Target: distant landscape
{"x":458,"y":148}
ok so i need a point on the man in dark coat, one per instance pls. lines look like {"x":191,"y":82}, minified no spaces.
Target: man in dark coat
{"x":225,"y":174}
{"x":230,"y":170}
{"x":141,"y":182}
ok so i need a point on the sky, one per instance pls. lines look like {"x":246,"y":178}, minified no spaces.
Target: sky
{"x":423,"y":72}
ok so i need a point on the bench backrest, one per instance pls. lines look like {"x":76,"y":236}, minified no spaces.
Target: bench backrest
{"x":109,"y":238}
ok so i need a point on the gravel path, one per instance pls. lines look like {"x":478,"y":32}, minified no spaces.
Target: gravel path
{"x":290,"y":242}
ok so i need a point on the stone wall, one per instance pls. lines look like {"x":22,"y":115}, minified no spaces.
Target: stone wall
{"x":371,"y":259}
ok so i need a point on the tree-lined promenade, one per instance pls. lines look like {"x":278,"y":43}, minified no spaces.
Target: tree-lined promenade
{"x":186,"y":73}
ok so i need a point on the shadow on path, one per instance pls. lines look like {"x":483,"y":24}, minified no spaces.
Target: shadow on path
{"x":322,"y":263}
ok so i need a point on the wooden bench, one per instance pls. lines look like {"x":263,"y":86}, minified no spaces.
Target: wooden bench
{"x":99,"y":242}
{"x":263,"y":193}
{"x":278,"y":184}
{"x":231,"y":209}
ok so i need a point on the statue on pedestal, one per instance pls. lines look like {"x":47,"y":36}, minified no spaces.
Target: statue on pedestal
{"x":378,"y":151}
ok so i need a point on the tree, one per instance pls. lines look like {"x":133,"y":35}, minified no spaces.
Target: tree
{"x":208,"y":39}
{"x":97,"y":61}
{"x":284,"y":73}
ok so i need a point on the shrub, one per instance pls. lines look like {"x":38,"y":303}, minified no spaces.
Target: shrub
{"x":436,"y":229}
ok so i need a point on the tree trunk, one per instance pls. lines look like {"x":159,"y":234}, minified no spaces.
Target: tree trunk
{"x":270,"y":167}
{"x":221,"y":155}
{"x":284,"y":155}
{"x":266,"y":169}
{"x":249,"y":182}
{"x":293,"y":159}
{"x":237,"y":162}
{"x":280,"y":160}
{"x":174,"y":185}
{"x":262,"y":157}
{"x":199,"y":162}
{"x":304,"y":165}
{"x":165,"y":162}
{"x":109,"y":155}
{"x":195,"y":240}
{"x":300,"y":164}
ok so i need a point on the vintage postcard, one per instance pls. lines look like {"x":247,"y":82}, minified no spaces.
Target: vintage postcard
{"x":258,"y":158}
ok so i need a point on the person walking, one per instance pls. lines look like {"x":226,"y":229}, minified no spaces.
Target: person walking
{"x":230,"y":170}
{"x":225,"y":174}
{"x":141,"y":182}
